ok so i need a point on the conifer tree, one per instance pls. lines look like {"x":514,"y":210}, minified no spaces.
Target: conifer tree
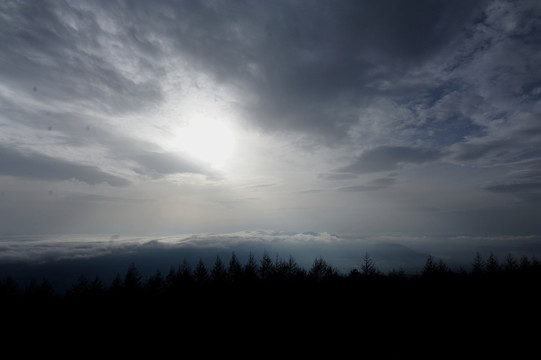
{"x":132,"y":280}
{"x":251,"y":269}
{"x":478,"y":265}
{"x":368,"y":267}
{"x":266,"y":268}
{"x":201,"y":274}
{"x":218,"y":273}
{"x":116,"y":286}
{"x":430,"y":266}
{"x":511,"y":265}
{"x":320,"y":270}
{"x":155,"y":284}
{"x":234,"y":270}
{"x":492,"y":265}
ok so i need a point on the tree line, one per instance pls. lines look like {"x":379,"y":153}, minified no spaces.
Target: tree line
{"x":268,"y":274}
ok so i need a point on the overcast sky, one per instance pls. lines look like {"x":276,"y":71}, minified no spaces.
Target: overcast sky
{"x":345,"y":117}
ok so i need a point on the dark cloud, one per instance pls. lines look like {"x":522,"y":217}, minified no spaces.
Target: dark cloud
{"x":30,"y":165}
{"x":317,"y":60}
{"x":386,"y":158}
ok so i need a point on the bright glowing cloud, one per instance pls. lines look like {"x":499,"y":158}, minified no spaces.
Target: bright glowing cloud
{"x":208,"y":140}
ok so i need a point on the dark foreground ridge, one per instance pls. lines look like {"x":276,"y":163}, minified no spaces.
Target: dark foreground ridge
{"x":279,"y":292}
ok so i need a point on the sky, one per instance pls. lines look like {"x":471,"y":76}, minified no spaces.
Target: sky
{"x":412,"y":118}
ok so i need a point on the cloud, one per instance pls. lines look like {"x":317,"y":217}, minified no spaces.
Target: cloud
{"x":525,"y":183}
{"x":110,"y":85}
{"x":374,"y":185}
{"x":385,"y":158}
{"x":515,"y":188}
{"x":83,"y":198}
{"x":337,"y":176}
{"x":45,"y":248}
{"x":159,"y":164}
{"x":344,"y":252}
{"x":329,"y":50}
{"x":62,"y":53}
{"x":36,"y":166}
{"x":301,"y":67}
{"x":505,"y":143}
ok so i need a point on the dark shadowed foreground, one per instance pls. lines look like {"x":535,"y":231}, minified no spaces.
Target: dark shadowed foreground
{"x":252,"y":300}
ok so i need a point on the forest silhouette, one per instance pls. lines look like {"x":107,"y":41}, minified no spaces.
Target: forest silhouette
{"x":267,"y":280}
{"x":277,"y":297}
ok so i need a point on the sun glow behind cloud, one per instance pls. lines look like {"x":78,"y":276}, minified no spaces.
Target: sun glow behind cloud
{"x":209,"y":140}
{"x":196,"y":119}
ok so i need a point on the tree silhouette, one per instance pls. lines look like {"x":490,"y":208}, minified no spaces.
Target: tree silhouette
{"x":96,"y":288}
{"x":81,"y":288}
{"x":288,"y":270}
{"x":478,"y":265}
{"x":201,"y":274}
{"x":85,"y":289}
{"x":511,"y":264}
{"x":171,"y":280}
{"x":9,"y":289}
{"x":132,"y":281}
{"x":218,"y":274}
{"x":321,"y":271}
{"x":185,"y":273}
{"x":250,"y":270}
{"x":524,"y":263}
{"x":399,"y":273}
{"x":492,"y":265}
{"x":41,"y":291}
{"x":266,"y":267}
{"x":155,"y":285}
{"x":234,"y":271}
{"x":435,"y":270}
{"x":277,"y":282}
{"x":430,"y":267}
{"x":368,"y":266}
{"x":116,"y":286}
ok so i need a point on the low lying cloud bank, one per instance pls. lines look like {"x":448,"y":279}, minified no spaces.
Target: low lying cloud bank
{"x":340,"y":250}
{"x":46,"y":248}
{"x":62,"y":260}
